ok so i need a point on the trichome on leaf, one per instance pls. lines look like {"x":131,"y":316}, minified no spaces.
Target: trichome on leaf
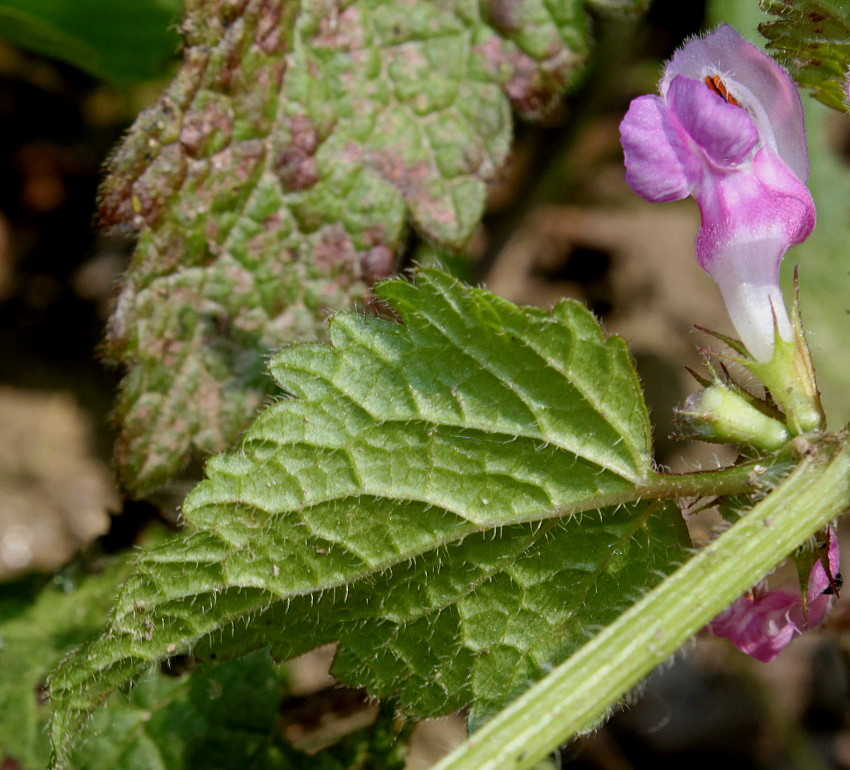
{"x":419,"y":500}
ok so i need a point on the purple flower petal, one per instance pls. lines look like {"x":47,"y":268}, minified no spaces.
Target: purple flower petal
{"x":724,"y":131}
{"x":821,"y":587}
{"x":660,"y":163}
{"x":749,"y":220}
{"x":762,"y":623}
{"x":728,"y":129}
{"x":747,"y":274}
{"x":762,"y":200}
{"x":819,"y":580}
{"x":759,"y":624}
{"x":761,"y":86}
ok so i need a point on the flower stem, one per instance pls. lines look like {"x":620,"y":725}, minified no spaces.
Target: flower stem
{"x":575,"y":696}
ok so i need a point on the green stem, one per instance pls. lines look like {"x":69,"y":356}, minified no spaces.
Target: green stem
{"x":735,"y":480}
{"x":576,"y":696}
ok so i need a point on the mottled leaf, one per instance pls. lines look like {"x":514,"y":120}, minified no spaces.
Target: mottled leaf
{"x":274,"y":181}
{"x":811,"y":38}
{"x":417,"y":500}
{"x":130,"y":40}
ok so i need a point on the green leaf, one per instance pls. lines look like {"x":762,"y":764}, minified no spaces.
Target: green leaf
{"x":412,"y":501}
{"x":122,"y":42}
{"x":219,"y":716}
{"x":619,"y":7}
{"x":811,"y":38}
{"x":573,"y":698}
{"x":222,"y":716}
{"x":275,"y":180}
{"x":41,"y":620}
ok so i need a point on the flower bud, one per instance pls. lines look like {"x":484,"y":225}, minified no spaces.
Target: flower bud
{"x":723,"y":415}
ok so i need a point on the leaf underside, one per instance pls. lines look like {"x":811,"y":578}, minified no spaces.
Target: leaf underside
{"x":274,"y":180}
{"x":411,"y":502}
{"x":811,"y":38}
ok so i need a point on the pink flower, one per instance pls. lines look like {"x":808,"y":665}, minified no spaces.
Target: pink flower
{"x":728,"y":130}
{"x":762,"y":623}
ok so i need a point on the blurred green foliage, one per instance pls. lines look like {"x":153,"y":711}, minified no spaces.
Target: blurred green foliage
{"x":216,"y":716}
{"x":119,"y":41}
{"x":40,"y":622}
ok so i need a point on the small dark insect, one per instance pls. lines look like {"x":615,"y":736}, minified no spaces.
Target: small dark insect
{"x":835,"y":585}
{"x":719,"y":87}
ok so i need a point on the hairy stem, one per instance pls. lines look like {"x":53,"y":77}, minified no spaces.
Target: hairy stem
{"x":735,"y":480}
{"x":577,"y":695}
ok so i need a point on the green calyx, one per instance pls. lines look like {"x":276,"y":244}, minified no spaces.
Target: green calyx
{"x":789,"y":376}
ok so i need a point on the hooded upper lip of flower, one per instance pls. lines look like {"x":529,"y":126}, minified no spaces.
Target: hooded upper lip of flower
{"x":728,"y":129}
{"x":757,"y":83}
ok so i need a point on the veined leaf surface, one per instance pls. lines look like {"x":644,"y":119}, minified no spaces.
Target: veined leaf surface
{"x":418,"y":499}
{"x":812,"y":39}
{"x":275,"y":179}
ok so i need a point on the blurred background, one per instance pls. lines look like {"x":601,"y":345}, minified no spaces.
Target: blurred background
{"x":560,"y":223}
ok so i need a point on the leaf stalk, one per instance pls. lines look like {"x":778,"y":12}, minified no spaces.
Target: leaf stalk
{"x":576,"y":695}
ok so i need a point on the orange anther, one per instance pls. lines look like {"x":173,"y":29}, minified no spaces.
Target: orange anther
{"x":719,"y":87}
